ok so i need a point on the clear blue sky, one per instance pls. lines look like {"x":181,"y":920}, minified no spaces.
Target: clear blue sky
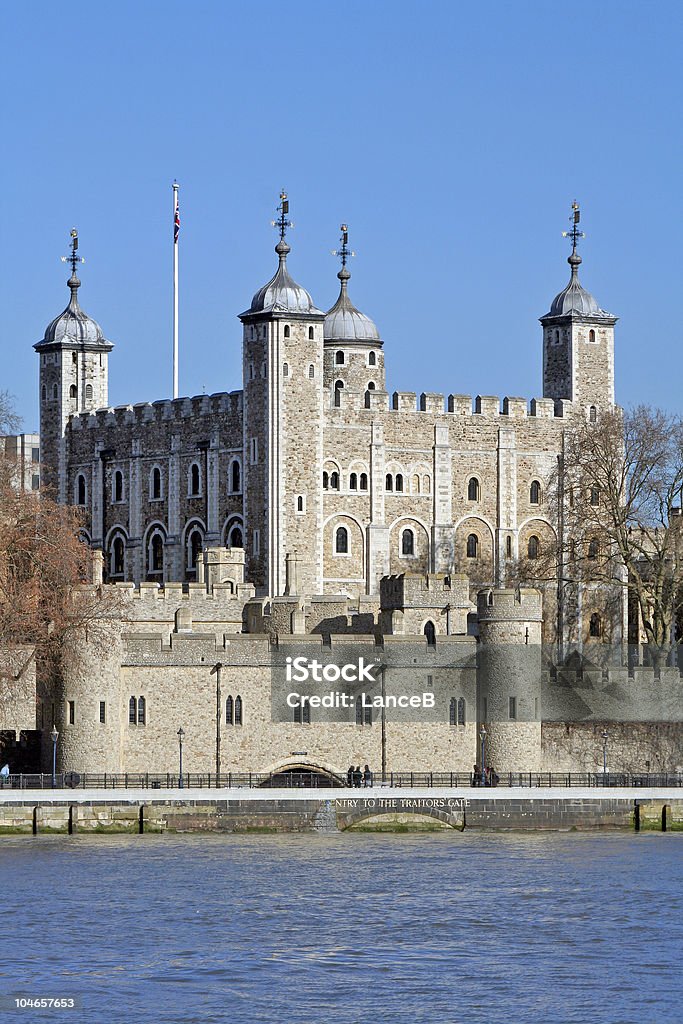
{"x":452,"y":137}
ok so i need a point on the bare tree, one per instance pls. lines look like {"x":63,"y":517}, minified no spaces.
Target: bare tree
{"x":9,"y":421}
{"x":616,"y":497}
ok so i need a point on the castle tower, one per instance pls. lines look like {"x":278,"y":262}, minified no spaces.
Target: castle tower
{"x":353,"y":349}
{"x":509,"y":677}
{"x":578,"y":342}
{"x":283,"y":428}
{"x":73,"y":378}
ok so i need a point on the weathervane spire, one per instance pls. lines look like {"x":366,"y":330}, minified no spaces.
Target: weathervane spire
{"x":344,"y":254}
{"x":74,"y":259}
{"x":574,"y":234}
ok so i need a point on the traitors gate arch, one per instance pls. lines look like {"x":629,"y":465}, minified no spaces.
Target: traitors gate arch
{"x":384,"y":812}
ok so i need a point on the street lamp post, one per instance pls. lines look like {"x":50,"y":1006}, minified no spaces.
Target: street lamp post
{"x":604,"y":753}
{"x":54,"y":736}
{"x":181,"y":734}
{"x":482,"y":736}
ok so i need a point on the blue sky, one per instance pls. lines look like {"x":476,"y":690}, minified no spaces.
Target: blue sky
{"x":452,"y":137}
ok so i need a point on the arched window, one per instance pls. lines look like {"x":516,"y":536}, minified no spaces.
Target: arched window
{"x":415,"y":484}
{"x":338,"y":388}
{"x":116,"y":562}
{"x":426,"y":484}
{"x":238,"y":710}
{"x":363,"y":714}
{"x":155,"y":484}
{"x":595,"y":626}
{"x":372,"y":359}
{"x":408,"y":543}
{"x":311,"y":371}
{"x":55,"y":391}
{"x":73,"y":391}
{"x":285,"y":369}
{"x":287,"y":331}
{"x":43,"y":393}
{"x":300,"y":503}
{"x":430,"y":633}
{"x":353,"y":482}
{"x":194,"y":480}
{"x":142,"y":711}
{"x":533,"y":547}
{"x":334,"y":481}
{"x":194,"y":546}
{"x":473,"y":489}
{"x":326,"y":480}
{"x":311,"y":334}
{"x":472,"y":545}
{"x":81,"y":494}
{"x":229,"y":712}
{"x":592,"y":414}
{"x":88,"y":392}
{"x":535,"y":493}
{"x":371,"y":385}
{"x":118,"y":486}
{"x":132,"y":711}
{"x":461,"y":711}
{"x":591,"y":335}
{"x":557,"y":337}
{"x":399,"y":482}
{"x":508,"y":547}
{"x":236,"y":540}
{"x":156,"y":553}
{"x":364,"y":481}
{"x":593,"y":549}
{"x":235,"y":477}
{"x":453,"y":711}
{"x":339,"y":358}
{"x":341,"y":541}
{"x":389,"y":483}
{"x":595,"y":495}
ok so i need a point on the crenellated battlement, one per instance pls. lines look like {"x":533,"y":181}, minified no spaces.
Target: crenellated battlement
{"x":199,"y":406}
{"x":435,"y":404}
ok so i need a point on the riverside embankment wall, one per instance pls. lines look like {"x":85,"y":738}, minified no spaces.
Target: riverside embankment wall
{"x":142,"y":811}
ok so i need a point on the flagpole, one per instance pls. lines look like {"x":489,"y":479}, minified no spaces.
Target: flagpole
{"x":176,"y":225}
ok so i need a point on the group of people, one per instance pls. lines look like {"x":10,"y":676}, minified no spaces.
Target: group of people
{"x":484,"y":777}
{"x":357,"y":778}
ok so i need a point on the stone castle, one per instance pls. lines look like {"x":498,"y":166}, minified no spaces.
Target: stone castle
{"x":308,"y":508}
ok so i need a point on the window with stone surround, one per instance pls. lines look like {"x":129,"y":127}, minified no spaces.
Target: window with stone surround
{"x":300,"y":504}
{"x":194,"y":481}
{"x":407,"y":543}
{"x":285,"y":369}
{"x":311,"y":371}
{"x":287,"y":331}
{"x":461,"y":711}
{"x":81,"y":493}
{"x":103,"y":712}
{"x":238,"y":710}
{"x":256,"y":542}
{"x":473,"y":489}
{"x":595,"y":496}
{"x":117,"y":556}
{"x":372,"y":359}
{"x":592,"y":414}
{"x":591,"y":336}
{"x":235,"y":538}
{"x":72,"y":712}
{"x":235,"y":477}
{"x":399,"y":482}
{"x":363,"y":714}
{"x":334,"y":481}
{"x":253,"y":451}
{"x":229,"y":711}
{"x":195,"y":542}
{"x":388,"y":482}
{"x":43,"y":393}
{"x":353,"y":482}
{"x":55,"y":392}
{"x":512,"y":709}
{"x":426,"y":485}
{"x":73,"y":391}
{"x":429,"y":631}
{"x":533,"y":547}
{"x":311,"y":334}
{"x":302,"y":714}
{"x":595,"y":626}
{"x":363,"y":481}
{"x":535,"y":493}
{"x":339,"y":358}
{"x":472,"y":546}
{"x":117,"y":486}
{"x":341,"y":541}
{"x":88,"y":393}
{"x":142,"y":711}
{"x":593,"y":548}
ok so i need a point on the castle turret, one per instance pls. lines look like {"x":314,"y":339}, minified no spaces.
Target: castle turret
{"x":283,"y":428}
{"x":510,"y":677}
{"x":578,"y":342}
{"x":353,"y":349}
{"x":73,"y":378}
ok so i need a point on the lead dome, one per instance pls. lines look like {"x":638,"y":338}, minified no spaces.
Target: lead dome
{"x":344,"y":322}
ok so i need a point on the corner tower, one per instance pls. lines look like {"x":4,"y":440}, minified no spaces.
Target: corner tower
{"x":73,"y":377}
{"x":578,"y":341}
{"x":353,"y":349}
{"x":282,"y":356}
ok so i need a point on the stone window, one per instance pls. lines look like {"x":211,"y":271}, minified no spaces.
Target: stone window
{"x":533,"y":548}
{"x":415,"y":484}
{"x":399,"y":482}
{"x":55,"y":392}
{"x":461,"y":711}
{"x":429,"y":631}
{"x":117,"y":558}
{"x":389,"y":483}
{"x":256,"y":542}
{"x":72,"y":712}
{"x":426,"y":485}
{"x":372,"y":359}
{"x":155,"y":484}
{"x":508,"y":547}
{"x":353,"y":482}
{"x":81,"y":490}
{"x":253,"y":452}
{"x":512,"y":709}
{"x":285,"y":369}
{"x":117,"y":489}
{"x":287,"y":331}
{"x":453,"y":712}
{"x":595,"y":626}
{"x":473,"y":489}
{"x":363,"y":714}
{"x":35,"y":454}
{"x":103,"y":712}
{"x":74,"y":358}
{"x":408,"y":543}
{"x":338,"y":388}
{"x":592,"y":414}
{"x":593,"y":549}
{"x":35,"y":481}
{"x":363,"y":481}
{"x":236,"y":540}
{"x":142,"y":711}
{"x":595,"y":495}
{"x":88,"y":392}
{"x":334,"y":481}
{"x":194,"y":481}
{"x":311,"y":334}
{"x":326,"y":480}
{"x":73,"y":391}
{"x":472,"y":546}
{"x":43,"y":393}
{"x":311,"y":371}
{"x":229,"y":711}
{"x":300,"y":504}
{"x":238,"y":710}
{"x":235,"y":477}
{"x":195,"y":543}
{"x":302,"y":715}
{"x":133,"y":711}
{"x":371,"y":385}
{"x":341,"y":541}
{"x":339,"y":358}
{"x":155,"y":553}
{"x":535,"y":493}
{"x":591,"y":335}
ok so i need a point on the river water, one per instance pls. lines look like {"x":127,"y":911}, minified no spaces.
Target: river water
{"x":350,"y":929}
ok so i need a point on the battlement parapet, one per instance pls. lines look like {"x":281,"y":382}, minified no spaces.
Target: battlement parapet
{"x":508,"y":605}
{"x":424,"y":590}
{"x":198,"y":406}
{"x":435,"y":404}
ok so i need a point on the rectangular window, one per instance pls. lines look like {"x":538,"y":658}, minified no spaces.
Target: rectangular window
{"x":253,"y":453}
{"x":35,"y":481}
{"x":72,"y":712}
{"x":430,"y":682}
{"x":512,"y":708}
{"x":103,"y":712}
{"x":256,"y":543}
{"x":35,"y":454}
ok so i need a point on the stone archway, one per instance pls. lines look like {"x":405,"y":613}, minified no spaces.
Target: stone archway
{"x":302,"y":775}
{"x":400,"y":814}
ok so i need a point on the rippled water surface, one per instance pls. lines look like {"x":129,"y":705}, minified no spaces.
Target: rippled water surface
{"x":347,"y":929}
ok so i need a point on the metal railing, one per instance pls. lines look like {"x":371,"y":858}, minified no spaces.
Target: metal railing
{"x":315,"y":780}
